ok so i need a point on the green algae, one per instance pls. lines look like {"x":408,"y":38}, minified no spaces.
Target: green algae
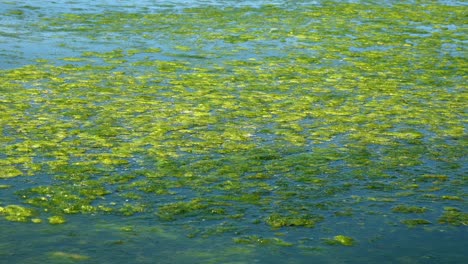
{"x":10,"y":171}
{"x":56,"y":220}
{"x":130,"y":209}
{"x":277,"y":220}
{"x":172,"y":210}
{"x":454,"y":216}
{"x":262,"y":241}
{"x":415,"y":222}
{"x":64,"y":256}
{"x":452,"y":197}
{"x":16,"y":12}
{"x":408,"y":209}
{"x":17,"y":213}
{"x":36,"y":220}
{"x":433,"y":178}
{"x":341,"y":240}
{"x":284,"y":119}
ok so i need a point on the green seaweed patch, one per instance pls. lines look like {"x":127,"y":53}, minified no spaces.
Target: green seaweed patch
{"x":259,"y":123}
{"x":276,"y":220}
{"x":409,"y":209}
{"x":36,"y":220}
{"x":56,"y":220}
{"x":65,"y":199}
{"x":433,"y":178}
{"x":17,"y":213}
{"x":454,"y":216}
{"x":257,"y":240}
{"x":60,"y":255}
{"x":415,"y":222}
{"x":381,"y":199}
{"x":16,"y":12}
{"x":452,"y":197}
{"x":171,"y":211}
{"x":340,"y":240}
{"x":345,"y":212}
{"x":127,"y":229}
{"x":129,"y":209}
{"x":10,"y":172}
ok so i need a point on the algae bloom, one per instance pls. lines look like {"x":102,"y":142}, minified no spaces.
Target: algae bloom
{"x":56,"y":220}
{"x":341,"y":240}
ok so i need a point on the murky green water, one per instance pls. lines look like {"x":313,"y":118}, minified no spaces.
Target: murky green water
{"x":233,"y":132}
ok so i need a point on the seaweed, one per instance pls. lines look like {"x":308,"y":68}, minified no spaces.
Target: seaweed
{"x":237,"y":122}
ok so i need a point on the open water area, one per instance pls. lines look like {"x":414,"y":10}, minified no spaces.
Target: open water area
{"x":233,"y":131}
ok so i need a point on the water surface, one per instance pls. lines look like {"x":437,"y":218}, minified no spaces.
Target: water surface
{"x":233,"y":132}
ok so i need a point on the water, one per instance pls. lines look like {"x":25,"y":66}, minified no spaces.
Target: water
{"x":233,"y":132}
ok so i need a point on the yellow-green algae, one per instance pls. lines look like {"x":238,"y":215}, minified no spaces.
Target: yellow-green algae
{"x":408,"y":209}
{"x":56,"y":220}
{"x":454,"y":216}
{"x":277,"y":220}
{"x":285,"y":119}
{"x":67,"y":256}
{"x":341,"y":240}
{"x":260,"y":240}
{"x":17,"y":213}
{"x":415,"y":222}
{"x":9,"y":172}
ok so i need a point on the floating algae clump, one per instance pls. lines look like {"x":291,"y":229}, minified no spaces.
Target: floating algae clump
{"x":16,"y":213}
{"x":36,"y":220}
{"x":453,"y":216}
{"x":172,"y":210}
{"x":341,"y":240}
{"x":260,"y":240}
{"x":56,"y":220}
{"x":10,"y":172}
{"x":408,"y":209}
{"x":452,"y":197}
{"x":68,"y":256}
{"x":277,"y":220}
{"x":415,"y":222}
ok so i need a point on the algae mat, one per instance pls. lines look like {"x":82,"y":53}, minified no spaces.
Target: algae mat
{"x":233,"y":132}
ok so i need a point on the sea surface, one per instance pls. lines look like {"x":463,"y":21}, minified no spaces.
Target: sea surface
{"x":233,"y":131}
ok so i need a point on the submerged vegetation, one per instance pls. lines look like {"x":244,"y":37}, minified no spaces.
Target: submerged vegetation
{"x":263,"y":124}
